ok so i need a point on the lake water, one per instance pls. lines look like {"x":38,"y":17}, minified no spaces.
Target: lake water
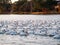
{"x":29,"y":40}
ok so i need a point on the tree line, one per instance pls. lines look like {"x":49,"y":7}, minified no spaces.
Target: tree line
{"x":6,"y":6}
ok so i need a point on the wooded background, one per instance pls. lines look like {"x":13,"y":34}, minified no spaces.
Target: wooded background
{"x":7,"y":7}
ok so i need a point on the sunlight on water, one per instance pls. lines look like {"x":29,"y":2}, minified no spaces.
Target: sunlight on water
{"x":32,"y":39}
{"x":28,"y":17}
